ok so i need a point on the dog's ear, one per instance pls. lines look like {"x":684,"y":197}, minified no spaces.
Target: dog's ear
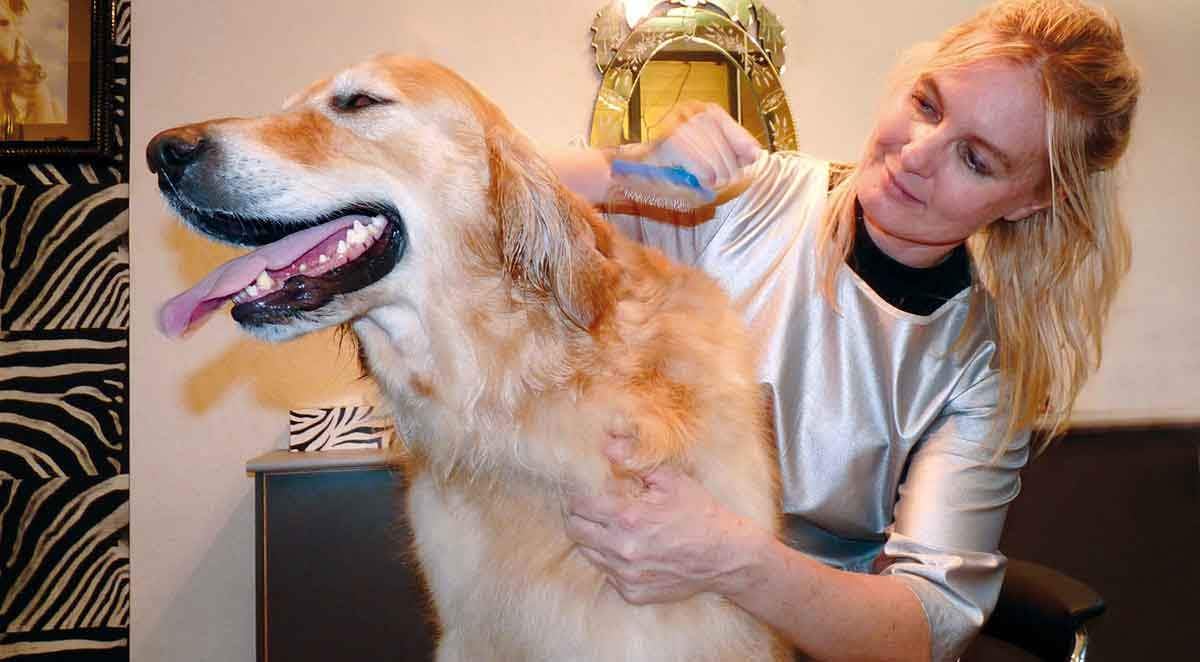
{"x":550,"y":240}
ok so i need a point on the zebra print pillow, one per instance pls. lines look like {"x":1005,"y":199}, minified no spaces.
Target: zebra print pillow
{"x":336,"y":428}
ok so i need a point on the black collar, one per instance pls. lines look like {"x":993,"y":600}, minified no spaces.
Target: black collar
{"x":913,"y":290}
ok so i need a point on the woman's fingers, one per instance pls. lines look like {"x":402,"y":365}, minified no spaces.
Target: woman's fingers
{"x":722,"y":149}
{"x":744,"y":146}
{"x":704,"y":139}
{"x":584,"y":531}
{"x":596,"y":558}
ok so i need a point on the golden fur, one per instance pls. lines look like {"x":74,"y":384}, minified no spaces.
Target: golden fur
{"x":518,"y":332}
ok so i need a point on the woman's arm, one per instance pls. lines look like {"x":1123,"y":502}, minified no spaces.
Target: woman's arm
{"x":584,"y":171}
{"x":674,"y":540}
{"x":940,"y":573}
{"x":701,"y":137}
{"x":831,"y":614}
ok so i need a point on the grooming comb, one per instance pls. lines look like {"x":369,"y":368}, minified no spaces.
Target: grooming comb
{"x":668,"y":187}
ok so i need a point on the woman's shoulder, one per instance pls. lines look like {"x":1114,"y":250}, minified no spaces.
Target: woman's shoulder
{"x":794,"y":162}
{"x":781,"y":178}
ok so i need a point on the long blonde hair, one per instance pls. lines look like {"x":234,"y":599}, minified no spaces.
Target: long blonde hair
{"x":1047,"y":313}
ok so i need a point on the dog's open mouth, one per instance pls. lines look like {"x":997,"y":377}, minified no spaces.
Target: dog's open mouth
{"x":301,"y":267}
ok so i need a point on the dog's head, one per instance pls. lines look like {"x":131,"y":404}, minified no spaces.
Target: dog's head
{"x":370,"y":188}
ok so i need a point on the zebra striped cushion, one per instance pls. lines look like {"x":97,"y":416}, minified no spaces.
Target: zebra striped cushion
{"x":336,"y":428}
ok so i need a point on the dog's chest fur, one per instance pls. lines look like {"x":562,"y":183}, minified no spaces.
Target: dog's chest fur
{"x":499,"y":430}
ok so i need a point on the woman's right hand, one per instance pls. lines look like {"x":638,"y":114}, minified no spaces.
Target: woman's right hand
{"x":701,"y":137}
{"x":705,"y":140}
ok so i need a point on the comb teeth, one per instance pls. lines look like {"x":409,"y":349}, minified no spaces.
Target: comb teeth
{"x":666,"y":187}
{"x":657,"y":200}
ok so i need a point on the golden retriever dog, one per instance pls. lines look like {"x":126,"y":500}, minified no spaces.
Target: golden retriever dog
{"x":513,"y":332}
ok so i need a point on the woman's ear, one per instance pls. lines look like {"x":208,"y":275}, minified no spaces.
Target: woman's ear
{"x":1026,"y":211}
{"x":550,"y":240}
{"x":1041,"y":199}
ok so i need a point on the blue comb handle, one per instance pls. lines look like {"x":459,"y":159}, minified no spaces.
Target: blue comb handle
{"x":674,"y":175}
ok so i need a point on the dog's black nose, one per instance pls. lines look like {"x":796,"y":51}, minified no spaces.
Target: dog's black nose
{"x":172,"y":150}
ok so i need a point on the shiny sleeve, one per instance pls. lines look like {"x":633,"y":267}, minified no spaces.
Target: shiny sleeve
{"x":780,"y":183}
{"x":678,"y":237}
{"x":949,"y":515}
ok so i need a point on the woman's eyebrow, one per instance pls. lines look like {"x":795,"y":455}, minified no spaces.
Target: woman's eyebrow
{"x":1000,"y":155}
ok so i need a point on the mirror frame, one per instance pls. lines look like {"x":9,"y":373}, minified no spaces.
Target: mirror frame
{"x":622,"y":52}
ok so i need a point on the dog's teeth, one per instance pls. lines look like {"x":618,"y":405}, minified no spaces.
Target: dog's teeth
{"x":357,"y":236}
{"x":303,"y":267}
{"x":323,"y":259}
{"x":374,"y":230}
{"x":252,"y":290}
{"x":378,"y":222}
{"x":264,"y":282}
{"x":342,"y":247}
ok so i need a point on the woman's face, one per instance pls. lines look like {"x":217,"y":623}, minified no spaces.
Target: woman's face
{"x":949,"y":155}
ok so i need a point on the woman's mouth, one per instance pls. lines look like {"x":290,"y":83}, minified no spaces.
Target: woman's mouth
{"x":897,"y":191}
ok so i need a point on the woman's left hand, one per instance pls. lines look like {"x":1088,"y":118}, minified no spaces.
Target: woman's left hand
{"x":667,"y":542}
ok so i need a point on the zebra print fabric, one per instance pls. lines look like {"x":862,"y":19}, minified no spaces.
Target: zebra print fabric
{"x":65,"y":257}
{"x":337,"y":428}
{"x":65,"y":554}
{"x":63,"y":406}
{"x":94,"y":645}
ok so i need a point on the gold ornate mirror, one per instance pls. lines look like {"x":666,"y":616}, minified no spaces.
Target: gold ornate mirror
{"x":653,"y":54}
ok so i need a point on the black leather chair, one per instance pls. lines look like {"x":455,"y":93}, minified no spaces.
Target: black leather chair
{"x":1044,"y":612}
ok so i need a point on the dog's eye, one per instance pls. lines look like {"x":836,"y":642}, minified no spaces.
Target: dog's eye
{"x":356,"y":101}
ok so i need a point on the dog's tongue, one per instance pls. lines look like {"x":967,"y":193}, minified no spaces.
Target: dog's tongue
{"x":189,"y":308}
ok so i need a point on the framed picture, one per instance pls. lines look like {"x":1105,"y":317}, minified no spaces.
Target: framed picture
{"x":55,"y":78}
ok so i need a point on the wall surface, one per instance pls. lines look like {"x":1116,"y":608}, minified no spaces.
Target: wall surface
{"x":203,"y":406}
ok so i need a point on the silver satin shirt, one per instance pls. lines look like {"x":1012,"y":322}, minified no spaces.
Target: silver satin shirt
{"x":885,"y":430}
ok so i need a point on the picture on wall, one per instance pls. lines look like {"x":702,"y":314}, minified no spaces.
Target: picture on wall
{"x":55,"y":76}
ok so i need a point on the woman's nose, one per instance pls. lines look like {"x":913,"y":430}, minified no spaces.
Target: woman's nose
{"x":917,"y":155}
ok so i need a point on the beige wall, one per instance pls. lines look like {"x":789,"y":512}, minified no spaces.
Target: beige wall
{"x":202,"y":407}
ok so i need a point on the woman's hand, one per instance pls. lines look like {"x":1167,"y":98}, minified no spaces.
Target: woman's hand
{"x":667,"y":542}
{"x":701,"y":137}
{"x":705,"y":140}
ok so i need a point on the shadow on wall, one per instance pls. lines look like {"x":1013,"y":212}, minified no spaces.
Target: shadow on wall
{"x":311,"y":371}
{"x":223,"y":576}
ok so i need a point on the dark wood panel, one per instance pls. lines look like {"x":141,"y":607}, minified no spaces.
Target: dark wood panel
{"x":336,"y":574}
{"x":1119,"y":509}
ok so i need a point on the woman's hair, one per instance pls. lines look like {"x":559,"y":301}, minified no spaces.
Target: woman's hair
{"x":18,"y":7}
{"x":1050,"y":277}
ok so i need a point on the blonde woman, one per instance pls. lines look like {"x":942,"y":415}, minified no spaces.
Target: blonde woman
{"x":919,"y":312}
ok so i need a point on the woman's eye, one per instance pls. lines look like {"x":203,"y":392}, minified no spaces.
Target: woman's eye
{"x":924,"y":106}
{"x":973,"y":162}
